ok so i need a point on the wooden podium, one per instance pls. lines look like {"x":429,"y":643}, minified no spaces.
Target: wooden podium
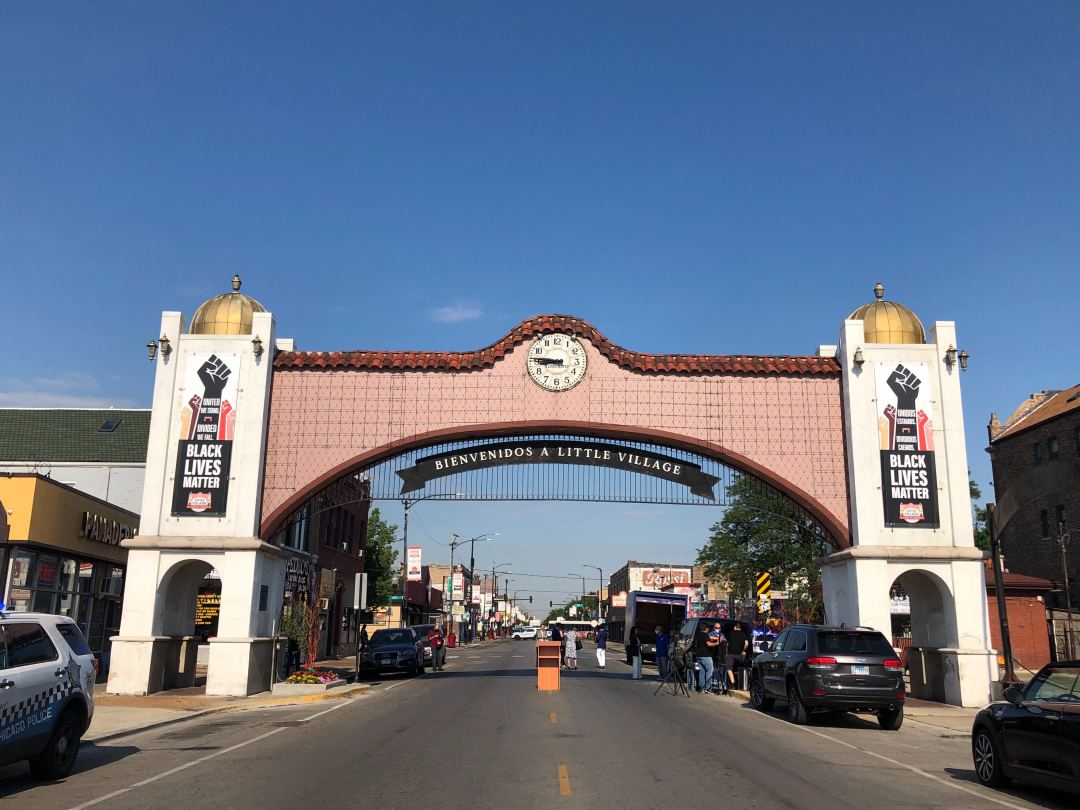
{"x":548,"y":663}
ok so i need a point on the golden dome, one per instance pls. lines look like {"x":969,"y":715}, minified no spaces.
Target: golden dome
{"x":226,"y":314}
{"x":888,"y":321}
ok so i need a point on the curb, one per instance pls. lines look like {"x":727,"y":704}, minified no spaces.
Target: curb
{"x":345,"y":693}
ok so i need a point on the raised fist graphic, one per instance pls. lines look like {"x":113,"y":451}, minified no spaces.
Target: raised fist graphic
{"x":905,"y":385}
{"x":214,"y":374}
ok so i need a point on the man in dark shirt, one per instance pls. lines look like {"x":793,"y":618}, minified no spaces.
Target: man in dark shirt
{"x":703,"y":657}
{"x":601,"y":646}
{"x":556,"y":635}
{"x":738,"y":645}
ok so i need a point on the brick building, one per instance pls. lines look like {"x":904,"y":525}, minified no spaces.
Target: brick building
{"x":1035,"y":455}
{"x":1025,"y":601}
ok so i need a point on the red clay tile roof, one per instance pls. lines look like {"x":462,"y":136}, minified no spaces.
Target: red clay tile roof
{"x":542,"y":324}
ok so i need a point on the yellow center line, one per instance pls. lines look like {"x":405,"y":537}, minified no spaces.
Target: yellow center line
{"x":553,"y":719}
{"x":564,"y":781}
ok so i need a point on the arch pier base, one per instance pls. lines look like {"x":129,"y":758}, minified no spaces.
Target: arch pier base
{"x":948,"y":661}
{"x":156,"y":648}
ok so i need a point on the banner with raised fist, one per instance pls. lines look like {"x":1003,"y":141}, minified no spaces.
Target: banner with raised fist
{"x":207,"y":421}
{"x":906,"y":439}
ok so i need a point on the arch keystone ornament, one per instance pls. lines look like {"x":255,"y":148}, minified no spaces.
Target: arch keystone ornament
{"x":865,"y":440}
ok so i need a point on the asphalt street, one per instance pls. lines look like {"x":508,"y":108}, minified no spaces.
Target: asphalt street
{"x":479,"y":735}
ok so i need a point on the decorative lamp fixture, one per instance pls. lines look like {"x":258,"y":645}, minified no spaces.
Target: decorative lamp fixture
{"x":256,"y":346}
{"x":858,"y":359}
{"x":151,"y":350}
{"x":963,"y":360}
{"x":236,"y":283}
{"x":950,"y":356}
{"x":166,"y":346}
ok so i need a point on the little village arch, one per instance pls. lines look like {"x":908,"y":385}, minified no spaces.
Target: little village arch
{"x":865,"y":437}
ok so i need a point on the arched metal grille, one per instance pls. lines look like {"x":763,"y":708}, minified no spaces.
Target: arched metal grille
{"x":562,"y":482}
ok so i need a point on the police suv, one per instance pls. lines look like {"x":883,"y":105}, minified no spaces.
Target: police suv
{"x":47,"y":675}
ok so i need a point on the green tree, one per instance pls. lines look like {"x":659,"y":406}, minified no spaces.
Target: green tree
{"x":380,"y":555}
{"x":760,"y":531}
{"x":982,"y":531}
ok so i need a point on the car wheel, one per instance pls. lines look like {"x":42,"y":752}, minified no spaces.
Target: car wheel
{"x":58,"y":757}
{"x":987,"y":759}
{"x":757,"y":696}
{"x":796,"y":711}
{"x":891,"y":719}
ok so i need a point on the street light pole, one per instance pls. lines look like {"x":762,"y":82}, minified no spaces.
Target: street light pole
{"x":407,"y":504}
{"x":495,"y":590}
{"x":599,"y":602}
{"x":582,"y":588}
{"x":472,"y":576}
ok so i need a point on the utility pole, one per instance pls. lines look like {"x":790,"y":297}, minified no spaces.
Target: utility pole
{"x":1063,"y":543}
{"x":599,"y":602}
{"x":999,"y":593}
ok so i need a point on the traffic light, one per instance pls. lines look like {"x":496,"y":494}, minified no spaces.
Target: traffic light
{"x":551,"y":604}
{"x":530,"y":600}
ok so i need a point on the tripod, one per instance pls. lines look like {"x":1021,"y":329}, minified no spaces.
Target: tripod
{"x":675,"y":680}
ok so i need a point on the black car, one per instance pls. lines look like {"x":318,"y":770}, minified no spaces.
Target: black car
{"x":814,"y":668}
{"x":393,"y":651}
{"x":1034,"y":734}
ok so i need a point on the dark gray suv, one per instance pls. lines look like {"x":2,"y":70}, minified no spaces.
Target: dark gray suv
{"x":815,"y":668}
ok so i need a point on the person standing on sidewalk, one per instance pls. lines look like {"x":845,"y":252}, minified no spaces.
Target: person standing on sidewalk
{"x":703,"y":657}
{"x":601,"y":646}
{"x":662,"y":650}
{"x":738,"y":642}
{"x":435,"y":639}
{"x":633,"y":651}
{"x":719,"y":652}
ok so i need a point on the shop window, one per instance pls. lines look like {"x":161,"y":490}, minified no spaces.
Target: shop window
{"x":86,"y":577}
{"x":45,"y":575}
{"x":69,"y":570}
{"x":21,"y":566}
{"x":1044,"y":523}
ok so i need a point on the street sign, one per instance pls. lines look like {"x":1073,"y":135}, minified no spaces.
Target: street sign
{"x":360,"y":592}
{"x":396,"y":597}
{"x":763,"y":583}
{"x":764,"y":604}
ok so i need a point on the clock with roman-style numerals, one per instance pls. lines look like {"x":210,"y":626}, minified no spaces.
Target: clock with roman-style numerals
{"x":557,"y":361}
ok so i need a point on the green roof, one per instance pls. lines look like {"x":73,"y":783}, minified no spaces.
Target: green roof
{"x":74,"y":435}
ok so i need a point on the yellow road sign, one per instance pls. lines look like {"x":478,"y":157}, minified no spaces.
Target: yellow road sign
{"x":764,"y":583}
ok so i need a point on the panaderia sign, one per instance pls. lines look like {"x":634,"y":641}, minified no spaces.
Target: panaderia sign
{"x":906,"y":438}
{"x":631,"y":459}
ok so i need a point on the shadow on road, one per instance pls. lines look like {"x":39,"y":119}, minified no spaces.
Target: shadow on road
{"x":522,"y":673}
{"x":1043,"y":797}
{"x":16,"y":777}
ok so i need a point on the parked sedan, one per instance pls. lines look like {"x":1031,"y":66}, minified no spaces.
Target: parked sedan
{"x":1034,"y":734}
{"x":393,"y":651}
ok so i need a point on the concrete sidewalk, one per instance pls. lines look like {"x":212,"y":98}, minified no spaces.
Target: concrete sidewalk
{"x":121,"y":715}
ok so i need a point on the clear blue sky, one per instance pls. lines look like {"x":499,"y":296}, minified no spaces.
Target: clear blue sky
{"x":695,"y":177}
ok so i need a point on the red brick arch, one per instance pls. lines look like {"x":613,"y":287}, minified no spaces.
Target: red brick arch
{"x":837,"y":530}
{"x":778,"y":418}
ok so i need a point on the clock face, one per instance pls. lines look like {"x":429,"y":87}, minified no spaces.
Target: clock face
{"x":557,"y":361}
